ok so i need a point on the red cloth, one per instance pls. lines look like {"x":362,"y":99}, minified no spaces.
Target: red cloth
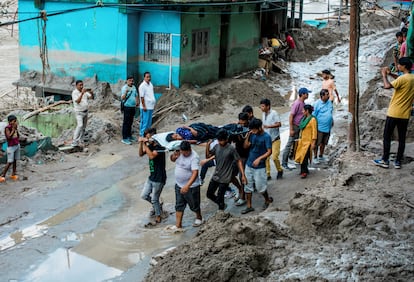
{"x":13,"y":140}
{"x":290,"y":42}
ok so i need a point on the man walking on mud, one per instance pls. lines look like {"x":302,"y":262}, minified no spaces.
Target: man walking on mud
{"x":271,"y":125}
{"x":187,"y":187}
{"x":158,"y":176}
{"x":260,"y":145}
{"x":399,"y":111}
{"x":227,"y":162}
{"x":296,"y":114}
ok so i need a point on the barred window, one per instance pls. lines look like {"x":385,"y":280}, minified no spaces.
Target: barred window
{"x":200,"y":43}
{"x":157,"y":47}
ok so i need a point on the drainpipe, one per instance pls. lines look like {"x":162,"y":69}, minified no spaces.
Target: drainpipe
{"x":170,"y":66}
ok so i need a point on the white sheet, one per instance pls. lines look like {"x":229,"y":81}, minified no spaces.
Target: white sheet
{"x":170,"y":146}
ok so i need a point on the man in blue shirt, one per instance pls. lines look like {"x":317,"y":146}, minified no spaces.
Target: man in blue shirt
{"x":323,"y":112}
{"x":260,"y":145}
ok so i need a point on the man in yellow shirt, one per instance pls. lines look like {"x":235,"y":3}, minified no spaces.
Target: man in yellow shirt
{"x":399,"y":111}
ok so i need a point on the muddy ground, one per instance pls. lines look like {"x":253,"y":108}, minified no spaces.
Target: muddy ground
{"x":348,"y":221}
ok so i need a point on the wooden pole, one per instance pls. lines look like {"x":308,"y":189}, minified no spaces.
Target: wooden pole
{"x":353,"y":75}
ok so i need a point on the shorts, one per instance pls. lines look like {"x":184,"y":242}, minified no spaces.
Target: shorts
{"x":192,"y":198}
{"x":323,"y":138}
{"x":13,"y":153}
{"x":256,"y":177}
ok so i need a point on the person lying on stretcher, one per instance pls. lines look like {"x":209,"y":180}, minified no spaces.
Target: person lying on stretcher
{"x":201,"y":132}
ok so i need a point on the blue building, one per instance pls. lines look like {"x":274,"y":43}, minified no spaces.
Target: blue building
{"x":178,"y":42}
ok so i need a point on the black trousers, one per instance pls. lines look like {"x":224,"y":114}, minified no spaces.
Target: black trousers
{"x":129,"y":114}
{"x":390,"y":124}
{"x":211,"y":193}
{"x":304,"y":164}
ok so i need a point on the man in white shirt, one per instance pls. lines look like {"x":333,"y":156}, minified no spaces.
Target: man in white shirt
{"x":147,"y":103}
{"x":80,"y":98}
{"x":187,"y":187}
{"x":271,"y":125}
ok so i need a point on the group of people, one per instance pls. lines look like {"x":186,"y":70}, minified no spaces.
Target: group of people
{"x":242,"y":159}
{"x":144,"y":98}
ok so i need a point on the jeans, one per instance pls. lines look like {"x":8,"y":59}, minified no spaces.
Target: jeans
{"x":289,"y":144}
{"x":390,"y":124}
{"x":129,"y":113}
{"x":211,"y":193}
{"x":81,"y":120}
{"x":145,"y":121}
{"x":151,"y":193}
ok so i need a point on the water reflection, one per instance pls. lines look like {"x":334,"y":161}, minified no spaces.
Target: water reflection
{"x":66,"y":265}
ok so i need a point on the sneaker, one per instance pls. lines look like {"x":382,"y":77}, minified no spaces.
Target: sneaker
{"x":382,"y":163}
{"x":279,"y":174}
{"x":126,"y":142}
{"x":14,"y":177}
{"x":247,"y":210}
{"x":2,"y":179}
{"x":174,"y":229}
{"x":133,"y":139}
{"x":229,"y":194}
{"x":240,"y":202}
{"x":315,"y":161}
{"x":321,"y":159}
{"x":303,"y":175}
{"x":74,"y":145}
{"x":197,"y":222}
{"x":285,"y":166}
{"x":397,"y":164}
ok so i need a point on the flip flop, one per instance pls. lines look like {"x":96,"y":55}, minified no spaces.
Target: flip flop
{"x":174,"y":229}
{"x":151,"y":224}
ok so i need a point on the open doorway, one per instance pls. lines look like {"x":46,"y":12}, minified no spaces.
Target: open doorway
{"x":224,"y":35}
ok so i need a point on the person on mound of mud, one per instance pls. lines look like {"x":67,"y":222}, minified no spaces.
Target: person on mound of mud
{"x":260,"y":145}
{"x":399,"y":111}
{"x":80,"y":98}
{"x":307,"y":143}
{"x":228,"y":164}
{"x":158,"y":175}
{"x":187,"y":187}
{"x":291,"y":46}
{"x":329,"y":83}
{"x":194,"y":133}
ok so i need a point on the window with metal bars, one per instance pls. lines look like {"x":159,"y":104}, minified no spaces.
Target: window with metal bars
{"x":200,"y":43}
{"x":157,"y":47}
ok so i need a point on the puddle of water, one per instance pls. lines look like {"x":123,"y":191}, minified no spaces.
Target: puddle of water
{"x":21,"y":236}
{"x":66,"y":265}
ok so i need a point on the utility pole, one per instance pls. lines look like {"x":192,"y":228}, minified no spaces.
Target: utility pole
{"x":354,"y":32}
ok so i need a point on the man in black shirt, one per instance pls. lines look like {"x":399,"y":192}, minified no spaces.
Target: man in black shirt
{"x":158,"y":176}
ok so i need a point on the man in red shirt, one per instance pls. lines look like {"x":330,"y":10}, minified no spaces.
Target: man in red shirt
{"x":290,"y":46}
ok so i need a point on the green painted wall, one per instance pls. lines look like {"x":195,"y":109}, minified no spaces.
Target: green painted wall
{"x":51,"y":124}
{"x":205,"y":70}
{"x":243,"y":41}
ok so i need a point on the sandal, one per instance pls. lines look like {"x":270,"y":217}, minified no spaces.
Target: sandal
{"x":151,"y":224}
{"x":174,"y":229}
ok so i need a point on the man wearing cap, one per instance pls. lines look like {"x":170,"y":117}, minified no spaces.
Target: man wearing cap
{"x":399,"y":111}
{"x":329,"y":83}
{"x":296,"y":114}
